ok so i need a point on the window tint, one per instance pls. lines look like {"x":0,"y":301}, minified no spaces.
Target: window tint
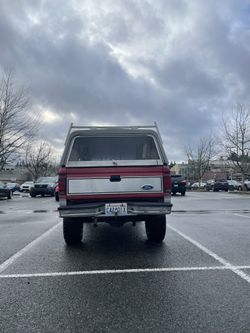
{"x":113,"y":148}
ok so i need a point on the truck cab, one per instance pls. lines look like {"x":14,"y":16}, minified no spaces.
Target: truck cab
{"x":114,"y":175}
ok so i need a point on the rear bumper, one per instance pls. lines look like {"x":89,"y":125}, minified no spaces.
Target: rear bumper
{"x":98,"y":210}
{"x":221,"y":188}
{"x":45,"y":190}
{"x":178,"y":188}
{"x":4,"y":194}
{"x":24,"y":189}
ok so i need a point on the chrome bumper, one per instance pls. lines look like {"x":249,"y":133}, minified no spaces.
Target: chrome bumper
{"x":98,"y":210}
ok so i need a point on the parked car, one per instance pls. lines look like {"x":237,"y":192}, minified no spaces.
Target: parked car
{"x":210,"y":185}
{"x":247,"y":185}
{"x":26,"y":186}
{"x":5,"y":192}
{"x":114,"y":175}
{"x":13,"y":186}
{"x":198,"y":185}
{"x":44,"y":186}
{"x":221,"y":185}
{"x":234,"y":185}
{"x":178,"y":184}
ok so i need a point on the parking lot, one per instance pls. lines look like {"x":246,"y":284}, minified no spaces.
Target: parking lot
{"x":198,"y":280}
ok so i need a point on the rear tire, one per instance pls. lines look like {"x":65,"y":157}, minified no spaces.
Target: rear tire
{"x":72,"y":230}
{"x":156,"y":228}
{"x":10,"y":195}
{"x":183,"y":193}
{"x":32,"y":194}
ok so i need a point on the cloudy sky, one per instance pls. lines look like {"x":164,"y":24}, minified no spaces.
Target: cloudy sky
{"x":130,"y":62}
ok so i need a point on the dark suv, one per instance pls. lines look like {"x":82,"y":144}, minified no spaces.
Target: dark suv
{"x":44,"y":186}
{"x":220,"y":185}
{"x":179,"y":184}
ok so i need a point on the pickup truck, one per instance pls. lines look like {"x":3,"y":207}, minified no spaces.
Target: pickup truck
{"x":114,"y":175}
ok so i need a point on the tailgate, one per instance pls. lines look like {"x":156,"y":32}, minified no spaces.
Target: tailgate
{"x":118,"y":180}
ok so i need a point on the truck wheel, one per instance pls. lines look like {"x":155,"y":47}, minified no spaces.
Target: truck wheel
{"x":183,"y":193}
{"x":10,"y":195}
{"x":72,"y":230}
{"x":32,"y":194}
{"x":156,"y":228}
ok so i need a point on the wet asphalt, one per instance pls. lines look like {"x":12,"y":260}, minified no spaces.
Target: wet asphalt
{"x":197,"y":280}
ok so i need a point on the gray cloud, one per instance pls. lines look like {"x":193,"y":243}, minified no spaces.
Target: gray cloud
{"x":130,"y":62}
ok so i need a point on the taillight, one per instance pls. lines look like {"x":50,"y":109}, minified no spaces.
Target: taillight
{"x":183,"y":182}
{"x":166,"y":180}
{"x":62,"y":181}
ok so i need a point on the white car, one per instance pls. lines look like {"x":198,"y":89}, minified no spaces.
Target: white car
{"x":26,"y":186}
{"x":247,"y":185}
{"x":234,"y":185}
{"x":198,"y":185}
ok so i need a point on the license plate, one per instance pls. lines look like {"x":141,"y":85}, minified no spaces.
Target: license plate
{"x":113,"y":209}
{"x":175,"y":185}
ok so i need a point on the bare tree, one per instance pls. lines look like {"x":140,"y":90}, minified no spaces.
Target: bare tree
{"x":200,"y":157}
{"x":39,"y":160}
{"x":237,"y":139}
{"x":17,"y":126}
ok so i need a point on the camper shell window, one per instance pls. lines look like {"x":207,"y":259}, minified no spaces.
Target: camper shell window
{"x":115,"y":148}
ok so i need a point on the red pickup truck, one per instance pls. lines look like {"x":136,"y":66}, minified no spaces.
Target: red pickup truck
{"x":114,"y":175}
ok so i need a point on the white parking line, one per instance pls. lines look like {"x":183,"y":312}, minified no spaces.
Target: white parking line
{"x":17,"y":255}
{"x":245,"y":216}
{"x":224,"y":262}
{"x":123,"y":271}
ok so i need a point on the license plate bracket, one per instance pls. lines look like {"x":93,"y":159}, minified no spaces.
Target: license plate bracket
{"x":116,"y":209}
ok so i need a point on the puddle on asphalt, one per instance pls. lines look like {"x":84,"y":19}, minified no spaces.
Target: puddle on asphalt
{"x":37,"y":211}
{"x":40,"y":211}
{"x":206,"y":211}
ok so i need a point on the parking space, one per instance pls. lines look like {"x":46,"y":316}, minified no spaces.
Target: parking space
{"x":226,"y":234}
{"x":196,"y":281}
{"x":141,"y":302}
{"x":110,"y":249}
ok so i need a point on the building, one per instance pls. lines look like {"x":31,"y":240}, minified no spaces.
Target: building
{"x":13,"y":174}
{"x":218,"y":169}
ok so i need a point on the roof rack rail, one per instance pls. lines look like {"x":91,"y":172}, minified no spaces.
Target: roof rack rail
{"x":89,"y":128}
